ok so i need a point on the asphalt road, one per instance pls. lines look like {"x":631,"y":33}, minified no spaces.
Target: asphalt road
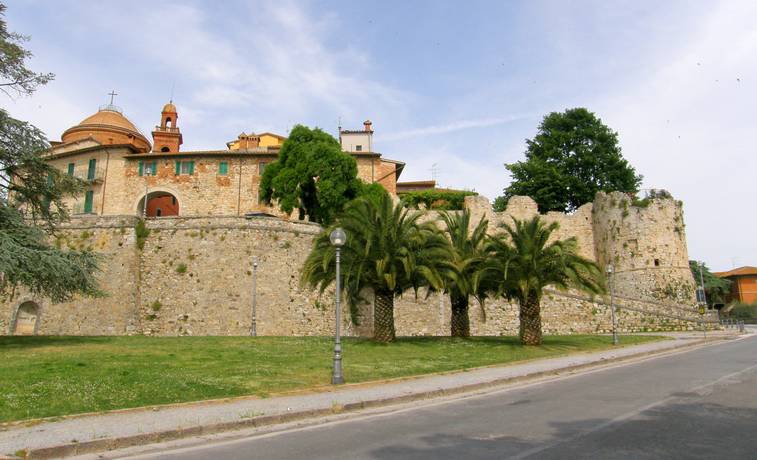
{"x":699,"y":404}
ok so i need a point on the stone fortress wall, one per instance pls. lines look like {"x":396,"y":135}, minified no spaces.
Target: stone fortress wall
{"x":193,"y":276}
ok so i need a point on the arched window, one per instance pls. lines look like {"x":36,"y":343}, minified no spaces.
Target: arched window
{"x":159,"y":204}
{"x":27,"y":317}
{"x":168,"y":122}
{"x":165,"y":149}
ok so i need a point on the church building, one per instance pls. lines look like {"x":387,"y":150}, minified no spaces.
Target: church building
{"x":122,"y":167}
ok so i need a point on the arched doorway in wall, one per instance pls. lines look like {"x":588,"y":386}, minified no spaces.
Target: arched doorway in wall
{"x":27,"y":319}
{"x":159,"y":204}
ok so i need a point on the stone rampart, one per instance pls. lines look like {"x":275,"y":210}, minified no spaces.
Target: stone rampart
{"x":193,"y":276}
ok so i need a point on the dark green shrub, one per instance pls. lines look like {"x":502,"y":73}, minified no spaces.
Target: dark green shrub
{"x":443,"y":200}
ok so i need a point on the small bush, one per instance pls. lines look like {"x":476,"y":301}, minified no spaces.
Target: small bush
{"x":156,"y":306}
{"x":181,"y":268}
{"x":744,"y":311}
{"x":142,"y":233}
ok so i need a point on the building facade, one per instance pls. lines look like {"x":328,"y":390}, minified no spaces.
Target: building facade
{"x":123,"y":168}
{"x":743,"y":284}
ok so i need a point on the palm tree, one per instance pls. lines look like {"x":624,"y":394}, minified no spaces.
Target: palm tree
{"x":387,"y":251}
{"x":462,"y":270}
{"x":523,"y":263}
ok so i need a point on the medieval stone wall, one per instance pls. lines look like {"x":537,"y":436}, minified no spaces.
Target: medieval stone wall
{"x":646,"y":246}
{"x":193,"y":275}
{"x":113,"y":314}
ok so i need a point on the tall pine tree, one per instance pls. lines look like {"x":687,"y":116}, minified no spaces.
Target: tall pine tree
{"x":31,"y":194}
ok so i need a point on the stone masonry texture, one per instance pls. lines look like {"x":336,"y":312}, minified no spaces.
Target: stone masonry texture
{"x":194,"y":276}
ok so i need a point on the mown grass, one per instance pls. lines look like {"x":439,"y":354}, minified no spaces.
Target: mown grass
{"x":52,"y":376}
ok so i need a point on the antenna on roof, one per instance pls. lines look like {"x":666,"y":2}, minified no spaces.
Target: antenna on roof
{"x":435,"y":172}
{"x":339,"y":123}
{"x":173,"y":85}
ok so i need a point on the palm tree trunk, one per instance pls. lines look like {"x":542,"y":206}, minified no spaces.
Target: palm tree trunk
{"x":459,"y":321}
{"x":530,"y":320}
{"x":383,"y":317}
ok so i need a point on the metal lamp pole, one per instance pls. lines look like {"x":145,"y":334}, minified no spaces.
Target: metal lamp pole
{"x":338,"y":237}
{"x":254,"y":331}
{"x":610,"y":270}
{"x":701,"y":282}
{"x":703,"y":301}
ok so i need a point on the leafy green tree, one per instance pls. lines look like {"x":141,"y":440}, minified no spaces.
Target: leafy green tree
{"x":463,"y":269}
{"x":573,"y":156}
{"x":387,"y":252}
{"x":523,"y":262}
{"x":500,"y":204}
{"x":716,"y":289}
{"x":312,"y":175}
{"x":31,"y":194}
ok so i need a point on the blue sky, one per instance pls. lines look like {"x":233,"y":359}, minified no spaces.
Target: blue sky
{"x":456,"y":84}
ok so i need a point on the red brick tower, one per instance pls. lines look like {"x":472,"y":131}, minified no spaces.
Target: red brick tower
{"x":167,"y":137}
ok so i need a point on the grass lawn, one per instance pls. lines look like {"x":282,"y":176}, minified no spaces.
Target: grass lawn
{"x":52,"y":376}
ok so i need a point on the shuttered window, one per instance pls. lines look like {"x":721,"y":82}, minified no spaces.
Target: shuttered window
{"x":148,"y":169}
{"x":223,"y":168}
{"x":71,"y":167}
{"x":92,"y":168}
{"x":88,"y":198}
{"x":185,"y":167}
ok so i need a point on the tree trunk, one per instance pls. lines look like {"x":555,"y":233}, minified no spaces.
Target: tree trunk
{"x":383,"y":316}
{"x":530,"y":320}
{"x":459,"y":321}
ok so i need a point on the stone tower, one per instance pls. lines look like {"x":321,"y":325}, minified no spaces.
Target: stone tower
{"x":646,"y":244}
{"x":167,"y":137}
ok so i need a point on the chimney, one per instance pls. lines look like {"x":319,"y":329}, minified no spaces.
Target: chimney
{"x":367,"y":126}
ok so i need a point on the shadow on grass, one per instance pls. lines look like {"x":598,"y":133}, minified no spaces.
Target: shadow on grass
{"x":19,"y":341}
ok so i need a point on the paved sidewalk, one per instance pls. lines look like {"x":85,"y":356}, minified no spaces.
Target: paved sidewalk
{"x":99,"y":432}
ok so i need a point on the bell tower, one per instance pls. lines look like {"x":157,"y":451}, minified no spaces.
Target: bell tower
{"x":167,"y":137}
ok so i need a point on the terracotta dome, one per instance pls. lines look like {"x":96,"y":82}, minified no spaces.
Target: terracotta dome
{"x":169,"y":108}
{"x":107,"y":126}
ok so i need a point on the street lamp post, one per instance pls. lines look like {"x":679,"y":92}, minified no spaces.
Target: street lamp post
{"x":610,"y":270}
{"x":703,"y":300}
{"x":254,"y":331}
{"x":338,"y":237}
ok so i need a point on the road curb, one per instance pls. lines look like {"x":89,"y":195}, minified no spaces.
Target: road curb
{"x":100,"y":445}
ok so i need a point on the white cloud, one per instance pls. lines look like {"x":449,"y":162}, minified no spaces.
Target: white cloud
{"x":689,"y":128}
{"x":451,"y":127}
{"x":270,"y":63}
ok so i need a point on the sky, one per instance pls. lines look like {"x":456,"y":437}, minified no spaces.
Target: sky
{"x":453,"y":88}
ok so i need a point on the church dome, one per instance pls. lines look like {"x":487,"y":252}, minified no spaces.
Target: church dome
{"x":170,"y":108}
{"x":108,"y":126}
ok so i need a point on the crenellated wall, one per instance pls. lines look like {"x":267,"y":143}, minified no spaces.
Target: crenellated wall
{"x":193,"y":276}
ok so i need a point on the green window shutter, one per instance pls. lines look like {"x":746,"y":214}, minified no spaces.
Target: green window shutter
{"x":71,"y":167}
{"x":223,"y":168}
{"x":92,"y":168}
{"x":50,"y":179}
{"x":154,"y":168}
{"x":88,"y":201}
{"x":141,"y":167}
{"x":178,"y":167}
{"x":191,"y":167}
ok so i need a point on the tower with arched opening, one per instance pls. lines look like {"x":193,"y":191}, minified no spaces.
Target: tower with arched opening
{"x":167,"y":136}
